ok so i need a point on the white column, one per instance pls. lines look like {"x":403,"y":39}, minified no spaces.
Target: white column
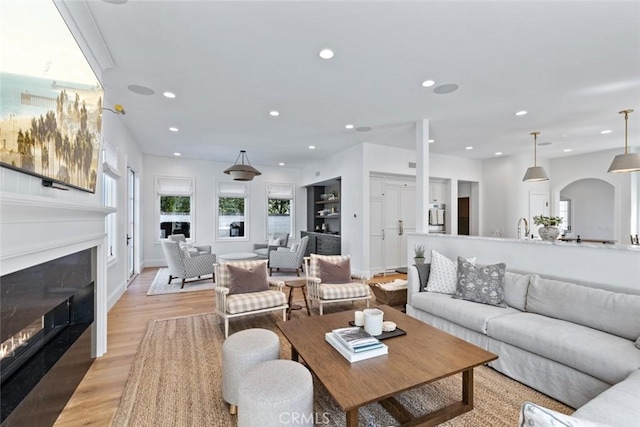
{"x":422,"y":176}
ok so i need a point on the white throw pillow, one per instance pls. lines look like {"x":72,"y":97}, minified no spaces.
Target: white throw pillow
{"x":443,"y":276}
{"x":294,"y":247}
{"x":274,"y":242}
{"x":538,"y":416}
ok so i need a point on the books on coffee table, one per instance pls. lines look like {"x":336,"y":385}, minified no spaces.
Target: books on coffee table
{"x":356,"y":339}
{"x":353,"y":356}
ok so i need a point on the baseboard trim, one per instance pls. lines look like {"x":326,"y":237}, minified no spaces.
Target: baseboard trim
{"x":160,"y":262}
{"x":115,"y":295}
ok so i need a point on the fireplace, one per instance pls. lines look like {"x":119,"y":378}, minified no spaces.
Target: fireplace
{"x":46,"y":334}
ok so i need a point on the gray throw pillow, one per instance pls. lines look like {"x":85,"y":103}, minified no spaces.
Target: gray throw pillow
{"x":423,"y":275}
{"x":339,"y":272}
{"x":480,"y":283}
{"x":246,"y":280}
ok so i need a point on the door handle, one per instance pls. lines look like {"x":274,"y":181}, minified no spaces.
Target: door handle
{"x":128,"y":238}
{"x":400,"y":228}
{"x":383,"y":234}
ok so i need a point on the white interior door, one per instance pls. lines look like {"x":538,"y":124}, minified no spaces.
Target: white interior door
{"x":392,"y":228}
{"x":376,"y":236}
{"x":131,"y":237}
{"x":407,"y":214}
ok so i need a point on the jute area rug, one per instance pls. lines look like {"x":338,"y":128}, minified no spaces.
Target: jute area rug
{"x":161,"y":285}
{"x":175,"y":380}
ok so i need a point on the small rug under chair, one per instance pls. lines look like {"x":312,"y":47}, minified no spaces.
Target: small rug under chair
{"x":175,"y":380}
{"x":162,"y":286}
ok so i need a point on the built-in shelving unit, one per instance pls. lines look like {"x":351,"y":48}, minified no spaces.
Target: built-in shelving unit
{"x":323,"y":218}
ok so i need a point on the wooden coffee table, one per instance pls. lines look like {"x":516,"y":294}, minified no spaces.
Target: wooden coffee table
{"x":424,"y":355}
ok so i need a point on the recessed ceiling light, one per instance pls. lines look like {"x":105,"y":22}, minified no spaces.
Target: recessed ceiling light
{"x":312,"y":147}
{"x":432,"y":140}
{"x":468,"y":148}
{"x":280,"y":164}
{"x":177,"y":154}
{"x":173,"y":129}
{"x":274,"y":113}
{"x":349,"y":126}
{"x":521,"y":113}
{"x":498,"y":153}
{"x":428,"y":83}
{"x":606,"y":131}
{"x":567,"y":150}
{"x":326,"y":54}
{"x":169,"y":94}
{"x":446,"y":88}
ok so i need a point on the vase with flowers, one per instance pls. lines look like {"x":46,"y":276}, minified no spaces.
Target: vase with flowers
{"x":549,"y":230}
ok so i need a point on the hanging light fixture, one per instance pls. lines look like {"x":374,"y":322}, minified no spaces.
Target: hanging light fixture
{"x":627,"y":162}
{"x":242,"y":171}
{"x":535,"y":173}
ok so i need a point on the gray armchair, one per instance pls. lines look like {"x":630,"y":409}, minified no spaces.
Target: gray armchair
{"x":184,"y":266}
{"x":263,"y":249}
{"x":193,"y":249}
{"x":285,"y":259}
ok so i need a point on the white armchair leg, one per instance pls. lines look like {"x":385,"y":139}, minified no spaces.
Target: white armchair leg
{"x":284,"y":314}
{"x":226,"y":327}
{"x":320,"y":306}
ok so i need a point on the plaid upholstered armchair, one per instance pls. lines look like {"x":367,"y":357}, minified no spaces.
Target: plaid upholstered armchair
{"x":329,"y":280}
{"x":243,"y":288}
{"x":184,"y":266}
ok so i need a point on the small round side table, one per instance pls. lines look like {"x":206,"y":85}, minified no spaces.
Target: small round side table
{"x":293,"y":284}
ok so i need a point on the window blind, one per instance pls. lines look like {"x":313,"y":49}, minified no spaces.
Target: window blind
{"x":280,"y":191}
{"x":110,"y":159}
{"x":232,"y":189}
{"x":173,"y":186}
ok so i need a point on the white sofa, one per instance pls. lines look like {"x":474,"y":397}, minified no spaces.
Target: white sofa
{"x":570,"y":341}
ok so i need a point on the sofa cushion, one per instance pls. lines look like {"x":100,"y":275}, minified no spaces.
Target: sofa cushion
{"x":471,"y":315}
{"x":617,"y":406}
{"x":515,"y":289}
{"x":596,"y":353}
{"x":482,"y":283}
{"x":532,"y":415}
{"x":343,"y":290}
{"x":241,"y":303}
{"x":443,"y":274}
{"x":611,"y":312}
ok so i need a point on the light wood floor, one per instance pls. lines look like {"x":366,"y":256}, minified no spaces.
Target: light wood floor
{"x":97,"y":398}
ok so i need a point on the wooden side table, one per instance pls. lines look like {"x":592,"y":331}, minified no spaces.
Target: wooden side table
{"x":293,"y":284}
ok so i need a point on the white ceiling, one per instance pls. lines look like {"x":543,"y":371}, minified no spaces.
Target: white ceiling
{"x":571,"y":64}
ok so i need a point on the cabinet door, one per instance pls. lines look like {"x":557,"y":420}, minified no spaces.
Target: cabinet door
{"x":376,"y":236}
{"x":328,"y":245}
{"x":376,"y":188}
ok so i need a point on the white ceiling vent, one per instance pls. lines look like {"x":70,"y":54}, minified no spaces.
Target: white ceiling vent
{"x":412,"y":165}
{"x":318,"y":173}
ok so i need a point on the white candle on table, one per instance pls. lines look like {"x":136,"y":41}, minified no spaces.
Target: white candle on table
{"x":359,"y":318}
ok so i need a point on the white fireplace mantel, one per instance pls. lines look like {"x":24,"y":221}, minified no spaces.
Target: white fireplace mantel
{"x":35,"y":229}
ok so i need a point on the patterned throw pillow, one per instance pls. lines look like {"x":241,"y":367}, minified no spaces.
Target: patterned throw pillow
{"x":443,"y":276}
{"x":339,"y":272}
{"x":532,"y":415}
{"x":274,"y":242}
{"x":481,"y":283}
{"x":246,"y":280}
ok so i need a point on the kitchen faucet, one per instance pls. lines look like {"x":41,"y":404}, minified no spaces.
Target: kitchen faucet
{"x":526,"y":227}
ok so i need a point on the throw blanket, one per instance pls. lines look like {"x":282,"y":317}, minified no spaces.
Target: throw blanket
{"x":396,"y":284}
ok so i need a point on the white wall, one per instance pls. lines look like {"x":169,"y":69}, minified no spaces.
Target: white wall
{"x":592,"y":205}
{"x":206,"y":175}
{"x":504,"y":196}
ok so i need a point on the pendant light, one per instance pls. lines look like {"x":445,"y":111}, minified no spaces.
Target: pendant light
{"x":242,"y":171}
{"x":535,"y":173}
{"x":627,"y":162}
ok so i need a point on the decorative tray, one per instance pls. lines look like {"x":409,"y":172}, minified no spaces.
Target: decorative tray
{"x":383,"y":336}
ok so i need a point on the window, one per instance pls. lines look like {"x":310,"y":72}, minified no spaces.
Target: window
{"x":175,"y":204}
{"x":280,"y":203}
{"x":565,"y":214}
{"x":110,"y":175}
{"x":232,"y":211}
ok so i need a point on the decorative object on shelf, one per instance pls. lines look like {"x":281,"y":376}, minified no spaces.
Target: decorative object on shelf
{"x":332,"y":195}
{"x":548,"y":231}
{"x":242,"y":171}
{"x":627,"y":162}
{"x":634,"y":240}
{"x":535,"y":173}
{"x":418,"y":256}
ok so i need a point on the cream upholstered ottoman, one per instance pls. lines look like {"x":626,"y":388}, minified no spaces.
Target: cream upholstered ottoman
{"x":276,"y":393}
{"x":242,"y":351}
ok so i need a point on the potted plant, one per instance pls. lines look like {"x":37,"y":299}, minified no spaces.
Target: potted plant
{"x":418,"y":256}
{"x":549,"y":230}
